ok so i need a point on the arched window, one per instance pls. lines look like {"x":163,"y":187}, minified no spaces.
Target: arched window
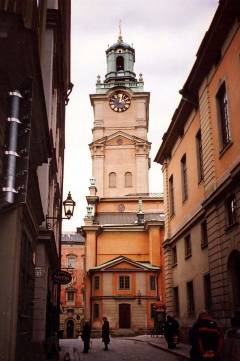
{"x":112,"y":180}
{"x":71,"y":261}
{"x":128,"y":179}
{"x":120,"y":63}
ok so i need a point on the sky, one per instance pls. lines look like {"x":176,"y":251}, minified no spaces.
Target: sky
{"x":166,"y":36}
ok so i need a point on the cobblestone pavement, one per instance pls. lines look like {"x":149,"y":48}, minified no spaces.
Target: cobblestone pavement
{"x":119,"y":350}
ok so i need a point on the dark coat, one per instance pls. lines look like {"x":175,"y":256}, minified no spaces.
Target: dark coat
{"x":86,"y":332}
{"x":204,"y":336}
{"x":105,"y":332}
{"x":171,"y":327}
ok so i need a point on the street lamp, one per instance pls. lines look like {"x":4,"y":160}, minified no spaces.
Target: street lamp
{"x":68,"y":205}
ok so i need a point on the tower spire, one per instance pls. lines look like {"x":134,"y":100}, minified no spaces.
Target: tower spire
{"x":120,"y":39}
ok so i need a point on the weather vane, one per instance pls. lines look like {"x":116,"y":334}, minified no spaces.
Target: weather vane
{"x":120,"y":39}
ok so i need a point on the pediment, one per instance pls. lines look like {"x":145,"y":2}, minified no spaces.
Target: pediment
{"x":119,"y":138}
{"x":122,"y":263}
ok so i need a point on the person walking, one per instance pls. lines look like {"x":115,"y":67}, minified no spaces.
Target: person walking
{"x":86,"y":335}
{"x":171,"y":331}
{"x":206,"y":339}
{"x":105,"y":333}
{"x":232,"y":340}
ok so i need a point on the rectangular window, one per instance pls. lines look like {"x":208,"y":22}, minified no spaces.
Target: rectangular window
{"x":231,"y":207}
{"x":184,"y":178}
{"x":190,"y":299}
{"x":188,"y":246}
{"x":124,"y":282}
{"x":96,"y":282}
{"x":176,"y":300}
{"x":174,"y":255}
{"x":152,"y":282}
{"x":70,"y":296}
{"x":171,"y":196}
{"x":71,"y":261}
{"x":152,"y":310}
{"x":199,"y":156}
{"x":204,"y":234}
{"x":222,"y":103}
{"x":207,"y":292}
{"x":95,"y":310}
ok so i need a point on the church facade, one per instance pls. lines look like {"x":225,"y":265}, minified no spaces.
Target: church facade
{"x":124,"y":223}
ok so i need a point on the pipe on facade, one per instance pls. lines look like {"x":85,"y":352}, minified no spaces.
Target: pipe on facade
{"x":11,"y":152}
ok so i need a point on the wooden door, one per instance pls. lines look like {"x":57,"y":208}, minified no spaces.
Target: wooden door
{"x":124,"y":315}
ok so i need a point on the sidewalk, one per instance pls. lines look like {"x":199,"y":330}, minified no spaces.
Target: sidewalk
{"x":160,"y":342}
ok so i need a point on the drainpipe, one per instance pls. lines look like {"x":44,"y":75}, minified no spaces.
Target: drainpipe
{"x":11,"y":152}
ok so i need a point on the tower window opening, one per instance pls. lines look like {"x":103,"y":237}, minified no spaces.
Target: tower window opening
{"x":120,"y":63}
{"x":128,"y":179}
{"x":112,"y":180}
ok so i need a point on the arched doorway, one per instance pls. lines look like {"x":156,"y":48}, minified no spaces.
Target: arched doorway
{"x":234,"y":273}
{"x":124,"y":315}
{"x":70,"y":329}
{"x":120,"y":63}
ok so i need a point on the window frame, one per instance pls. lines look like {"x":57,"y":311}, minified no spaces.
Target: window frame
{"x":74,"y":258}
{"x":199,"y":156}
{"x":204,"y":234}
{"x":188,"y":246}
{"x":184,"y":178}
{"x":231,"y":211}
{"x":96,"y":282}
{"x":174,"y":255}
{"x":207,"y":291}
{"x":171,"y":196}
{"x":152,"y":280}
{"x":223,"y":116}
{"x":190,"y":298}
{"x":112,"y":180}
{"x":128,"y":180}
{"x":176,"y":300}
{"x":124,"y":282}
{"x":72,"y":298}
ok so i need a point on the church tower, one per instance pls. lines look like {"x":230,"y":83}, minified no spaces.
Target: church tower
{"x":120,"y":150}
{"x":124,"y":223}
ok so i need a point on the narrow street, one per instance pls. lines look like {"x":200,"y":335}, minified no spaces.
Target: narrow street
{"x":120,"y":350}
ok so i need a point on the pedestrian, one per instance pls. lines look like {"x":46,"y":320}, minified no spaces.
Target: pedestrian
{"x":232,"y":340}
{"x":171,"y":331}
{"x":86,"y":335}
{"x":105,"y":333}
{"x":206,"y":339}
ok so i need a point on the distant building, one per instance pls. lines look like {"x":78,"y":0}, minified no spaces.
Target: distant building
{"x":124,"y":223}
{"x":72,"y":302}
{"x":200,"y":155}
{"x":34,"y":89}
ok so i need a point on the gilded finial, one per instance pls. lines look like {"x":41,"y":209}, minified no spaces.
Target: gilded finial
{"x":120,"y":39}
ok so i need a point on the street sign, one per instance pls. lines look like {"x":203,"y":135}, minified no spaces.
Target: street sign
{"x":62,"y":277}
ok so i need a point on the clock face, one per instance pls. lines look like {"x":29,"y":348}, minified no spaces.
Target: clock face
{"x":119,"y":101}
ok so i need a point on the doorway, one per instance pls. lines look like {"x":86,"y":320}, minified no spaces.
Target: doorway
{"x":234,"y":273}
{"x":124,"y":315}
{"x":70,"y":329}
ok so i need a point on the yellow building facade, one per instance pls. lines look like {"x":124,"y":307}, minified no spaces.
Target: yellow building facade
{"x":124,"y":223}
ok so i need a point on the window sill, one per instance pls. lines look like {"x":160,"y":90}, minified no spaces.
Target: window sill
{"x":188,"y":256}
{"x":231,"y":226}
{"x":225,"y":148}
{"x":174,"y":265}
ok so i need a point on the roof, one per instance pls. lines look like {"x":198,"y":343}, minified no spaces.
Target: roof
{"x":120,"y":45}
{"x":209,"y":53}
{"x":72,"y":237}
{"x":126,"y":218}
{"x":142,"y":265}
